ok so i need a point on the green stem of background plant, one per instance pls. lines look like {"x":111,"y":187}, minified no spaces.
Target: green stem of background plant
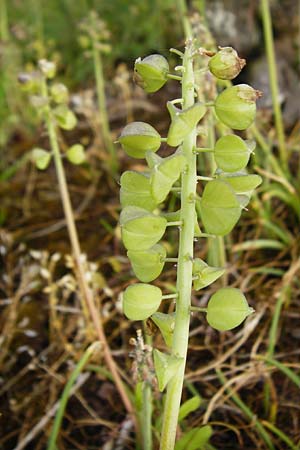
{"x":269,"y":42}
{"x":98,"y":68}
{"x":185,"y":264}
{"x":86,"y":292}
{"x":66,"y":394}
{"x":183,"y":13}
{"x":147,"y":406}
{"x":4,"y":32}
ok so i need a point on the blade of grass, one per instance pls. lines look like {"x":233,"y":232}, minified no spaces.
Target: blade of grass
{"x":256,"y":244}
{"x":66,"y":394}
{"x":269,"y":44}
{"x":280,"y":434}
{"x":284,"y":369}
{"x":247,"y":412}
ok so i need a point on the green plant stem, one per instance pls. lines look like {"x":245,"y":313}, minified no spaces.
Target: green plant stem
{"x":183,"y":12}
{"x":146,"y":416}
{"x":86,"y":292}
{"x":174,"y":77}
{"x":66,"y":394}
{"x":39,"y":25}
{"x":98,"y":68}
{"x":185,"y":264}
{"x":147,"y":407}
{"x":168,"y":296}
{"x":269,"y":42}
{"x":4,"y":32}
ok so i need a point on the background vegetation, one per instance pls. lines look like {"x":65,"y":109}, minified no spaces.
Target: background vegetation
{"x":247,"y":381}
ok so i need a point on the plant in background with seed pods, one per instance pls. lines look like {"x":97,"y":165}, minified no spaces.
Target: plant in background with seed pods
{"x":51,"y":102}
{"x":144,"y":222}
{"x":95,"y":40}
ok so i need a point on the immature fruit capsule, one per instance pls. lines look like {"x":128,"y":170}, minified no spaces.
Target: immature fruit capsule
{"x":141,"y":229}
{"x":59,"y":93}
{"x":227,"y":309}
{"x":141,"y":300}
{"x":236,"y":106}
{"x":231,"y":153}
{"x":151,"y":72}
{"x":226,"y":64}
{"x":139,"y":137}
{"x":48,"y":68}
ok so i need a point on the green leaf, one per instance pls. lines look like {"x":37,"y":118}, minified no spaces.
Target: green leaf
{"x":166,"y":324}
{"x":243,"y":199}
{"x":183,"y":122}
{"x":197,"y":229}
{"x":152,"y":159}
{"x":205,"y":274}
{"x":166,"y":366}
{"x":236,"y":106}
{"x":227,"y":309}
{"x":141,"y":229}
{"x":65,"y":118}
{"x":148,"y":264}
{"x":189,"y":406}
{"x":172,"y":216}
{"x":136,"y":190}
{"x":164,"y":175}
{"x":219,"y":208}
{"x":41,"y":158}
{"x":138,"y":396}
{"x":141,"y":300}
{"x":242,"y":182}
{"x":76,"y":154}
{"x":139,"y":137}
{"x":195,"y":439}
{"x":231,"y":153}
{"x":151,"y":72}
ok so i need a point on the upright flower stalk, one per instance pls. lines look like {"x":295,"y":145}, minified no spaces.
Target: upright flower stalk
{"x":143,"y":222}
{"x":52,"y":105}
{"x":95,"y":39}
{"x":185,"y":260}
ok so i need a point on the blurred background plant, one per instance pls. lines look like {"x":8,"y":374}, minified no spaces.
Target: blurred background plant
{"x":251,"y":376}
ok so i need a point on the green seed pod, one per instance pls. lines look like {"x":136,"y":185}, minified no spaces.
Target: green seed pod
{"x":76,"y":154}
{"x":205,"y":274}
{"x":141,"y":229}
{"x":227,"y":309}
{"x":226,"y":64}
{"x":30,"y":82}
{"x":151,"y":72}
{"x":59,"y":93}
{"x":219,"y":208}
{"x":231,"y":153}
{"x":136,"y":190}
{"x":242,"y":182}
{"x":65,"y":118}
{"x":166,"y":366}
{"x":141,"y":300}
{"x":166,"y":324}
{"x":48,"y":68}
{"x":164,"y":175}
{"x":183,"y":122}
{"x":41,"y":158}
{"x":139,"y":137}
{"x":148,"y":264}
{"x":236,"y":106}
